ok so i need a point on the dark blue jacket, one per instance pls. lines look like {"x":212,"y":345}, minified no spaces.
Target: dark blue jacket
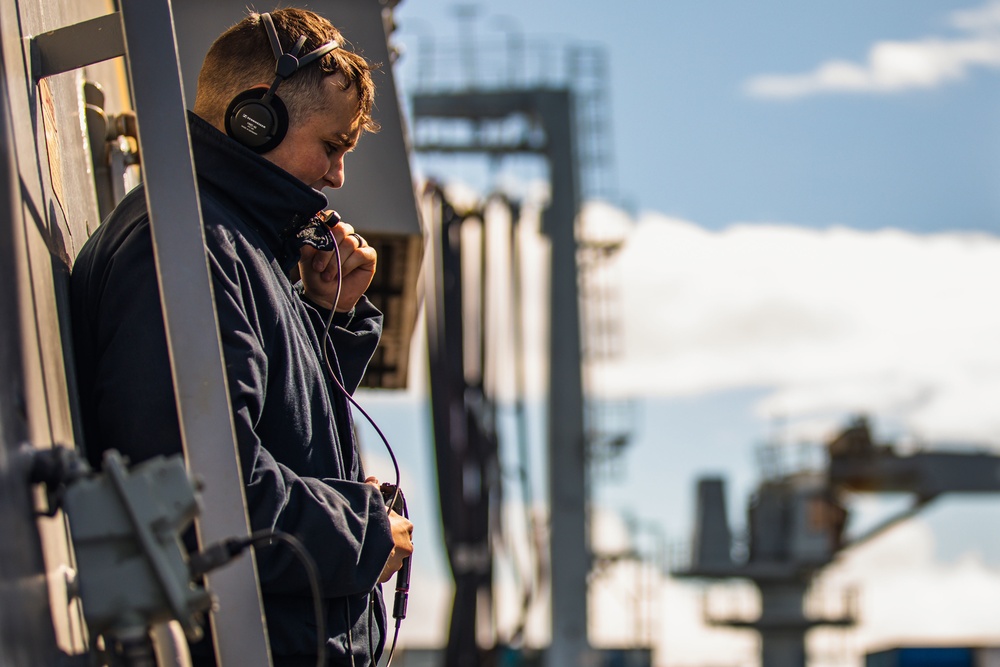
{"x":293,"y":426}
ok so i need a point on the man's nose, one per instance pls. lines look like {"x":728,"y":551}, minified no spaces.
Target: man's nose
{"x":335,"y":175}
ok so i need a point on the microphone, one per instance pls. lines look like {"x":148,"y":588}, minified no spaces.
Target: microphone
{"x":330,"y":217}
{"x":393,"y":497}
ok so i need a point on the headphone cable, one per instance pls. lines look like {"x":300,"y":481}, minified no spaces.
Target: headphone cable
{"x":327,"y":342}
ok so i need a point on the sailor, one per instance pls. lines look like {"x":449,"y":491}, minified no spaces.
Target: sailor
{"x":280,"y":104}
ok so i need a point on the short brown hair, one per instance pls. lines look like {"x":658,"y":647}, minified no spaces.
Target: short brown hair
{"x":242,"y":57}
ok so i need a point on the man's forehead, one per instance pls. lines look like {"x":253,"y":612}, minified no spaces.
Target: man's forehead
{"x":340,"y":110}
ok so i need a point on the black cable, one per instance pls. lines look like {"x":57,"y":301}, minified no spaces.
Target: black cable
{"x":350,"y":639}
{"x":395,"y":636}
{"x":392,"y":649}
{"x":371,"y":619}
{"x":317,"y":594}
{"x":221,"y":553}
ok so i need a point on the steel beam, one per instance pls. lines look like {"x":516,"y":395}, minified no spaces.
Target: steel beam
{"x":191,"y":324}
{"x":568,"y":486}
{"x":77,"y":46}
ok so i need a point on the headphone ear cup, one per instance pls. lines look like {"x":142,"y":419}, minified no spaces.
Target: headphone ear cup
{"x":258,"y":124}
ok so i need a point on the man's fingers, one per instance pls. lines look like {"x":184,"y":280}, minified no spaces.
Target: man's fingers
{"x":341,"y":231}
{"x":324,"y":261}
{"x":353,"y":253}
{"x":306,"y":252}
{"x":359,"y":258}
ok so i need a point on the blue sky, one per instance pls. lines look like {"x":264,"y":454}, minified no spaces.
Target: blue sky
{"x":689,"y":140}
{"x":808,"y":197}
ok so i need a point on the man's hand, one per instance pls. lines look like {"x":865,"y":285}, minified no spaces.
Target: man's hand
{"x":402,"y":537}
{"x":319,"y":269}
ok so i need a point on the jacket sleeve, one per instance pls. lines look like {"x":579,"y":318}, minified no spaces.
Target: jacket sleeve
{"x":343,"y":524}
{"x":355,"y":336}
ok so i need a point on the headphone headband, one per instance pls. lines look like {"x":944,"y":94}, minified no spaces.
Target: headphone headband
{"x":288,"y":63}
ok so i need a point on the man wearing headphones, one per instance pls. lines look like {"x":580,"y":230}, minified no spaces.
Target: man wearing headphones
{"x":280,"y":103}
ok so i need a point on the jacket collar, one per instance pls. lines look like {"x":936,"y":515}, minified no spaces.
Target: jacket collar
{"x":269,"y":199}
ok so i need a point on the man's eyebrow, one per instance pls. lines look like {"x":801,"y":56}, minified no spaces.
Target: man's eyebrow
{"x":345,"y":140}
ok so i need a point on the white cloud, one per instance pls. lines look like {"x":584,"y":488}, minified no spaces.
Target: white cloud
{"x":895,"y":66}
{"x":831,"y":321}
{"x":908,"y":598}
{"x":980,"y":19}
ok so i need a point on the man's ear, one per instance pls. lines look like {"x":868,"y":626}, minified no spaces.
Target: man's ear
{"x":255,"y":122}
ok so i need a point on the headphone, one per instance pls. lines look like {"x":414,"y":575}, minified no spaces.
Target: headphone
{"x":258,"y":119}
